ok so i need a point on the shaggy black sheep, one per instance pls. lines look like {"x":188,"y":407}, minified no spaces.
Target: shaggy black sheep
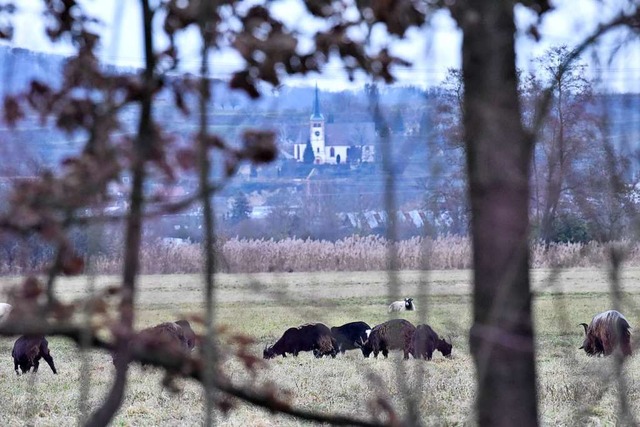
{"x":27,"y":352}
{"x":314,"y":337}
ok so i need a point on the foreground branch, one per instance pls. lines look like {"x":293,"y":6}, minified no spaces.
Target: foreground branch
{"x":185,"y":365}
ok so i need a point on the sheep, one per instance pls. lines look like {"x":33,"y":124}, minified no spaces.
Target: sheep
{"x":314,"y":337}
{"x":426,"y":341}
{"x":5,"y":310}
{"x":176,"y":337}
{"x":607,"y":331}
{"x":326,"y":345}
{"x":178,"y":334}
{"x":407,"y":305}
{"x":393,"y":334}
{"x":27,"y":351}
{"x":350,"y":335}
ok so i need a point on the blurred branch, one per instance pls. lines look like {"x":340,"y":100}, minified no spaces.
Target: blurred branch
{"x":143,"y":148}
{"x":187,"y":366}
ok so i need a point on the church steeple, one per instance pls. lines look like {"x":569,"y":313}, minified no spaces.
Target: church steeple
{"x":316,"y":131}
{"x":316,"y":115}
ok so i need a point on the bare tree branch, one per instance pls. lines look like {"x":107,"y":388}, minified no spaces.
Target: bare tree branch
{"x":547,"y":97}
{"x":142,"y":149}
{"x":185,"y":365}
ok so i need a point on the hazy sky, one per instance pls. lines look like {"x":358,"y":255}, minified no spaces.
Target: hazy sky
{"x":433,"y":49}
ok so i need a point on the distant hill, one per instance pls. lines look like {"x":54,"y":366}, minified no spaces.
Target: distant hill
{"x":19,"y":66}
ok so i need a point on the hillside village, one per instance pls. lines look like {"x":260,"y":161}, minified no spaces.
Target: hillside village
{"x":343,"y":142}
{"x":329,"y":178}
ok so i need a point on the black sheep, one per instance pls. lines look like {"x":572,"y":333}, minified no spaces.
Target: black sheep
{"x":27,"y":351}
{"x":314,"y":337}
{"x":350,"y":335}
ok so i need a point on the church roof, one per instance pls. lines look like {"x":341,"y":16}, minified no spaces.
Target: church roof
{"x":316,"y":115}
{"x":348,"y":134}
{"x":340,"y":134}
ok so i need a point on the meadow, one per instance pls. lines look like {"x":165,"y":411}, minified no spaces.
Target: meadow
{"x":573,"y":388}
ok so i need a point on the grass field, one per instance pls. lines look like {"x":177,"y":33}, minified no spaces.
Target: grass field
{"x":573,"y":389}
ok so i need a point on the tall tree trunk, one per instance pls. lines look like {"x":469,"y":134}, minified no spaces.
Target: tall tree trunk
{"x":498,"y":160}
{"x":104,"y":415}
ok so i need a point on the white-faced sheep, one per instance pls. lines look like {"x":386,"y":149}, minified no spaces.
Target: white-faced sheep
{"x":5,"y":309}
{"x":407,"y":305}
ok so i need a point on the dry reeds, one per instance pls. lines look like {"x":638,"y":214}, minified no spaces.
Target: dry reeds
{"x":355,"y":253}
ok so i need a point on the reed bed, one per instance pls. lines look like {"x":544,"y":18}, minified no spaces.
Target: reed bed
{"x":355,"y":253}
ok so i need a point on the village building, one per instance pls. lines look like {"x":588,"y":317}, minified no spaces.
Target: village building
{"x":335,"y":143}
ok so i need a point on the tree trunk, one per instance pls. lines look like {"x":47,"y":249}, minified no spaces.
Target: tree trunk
{"x":498,"y":160}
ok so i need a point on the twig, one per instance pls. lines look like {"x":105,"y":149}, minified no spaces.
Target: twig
{"x":185,"y":365}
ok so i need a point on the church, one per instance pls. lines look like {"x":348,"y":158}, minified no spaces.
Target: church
{"x":336,"y":143}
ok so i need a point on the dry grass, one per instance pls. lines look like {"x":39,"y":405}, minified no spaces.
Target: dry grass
{"x":574,"y":389}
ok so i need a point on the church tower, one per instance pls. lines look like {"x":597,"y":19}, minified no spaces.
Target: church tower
{"x":316,"y":127}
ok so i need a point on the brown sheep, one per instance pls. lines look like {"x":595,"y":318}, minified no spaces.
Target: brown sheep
{"x":426,"y":341}
{"x":393,"y":334}
{"x":177,"y":334}
{"x":175,"y":337}
{"x":326,"y":345}
{"x":27,"y":351}
{"x":607,"y":331}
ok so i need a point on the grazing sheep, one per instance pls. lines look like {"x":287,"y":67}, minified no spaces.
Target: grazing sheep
{"x":27,"y":351}
{"x":350,"y":335}
{"x":176,"y":337}
{"x":326,"y":346}
{"x":314,"y":337}
{"x":426,"y":341}
{"x":5,"y":309}
{"x":178,"y":333}
{"x":407,"y":305}
{"x":393,"y":334}
{"x":605,"y":333}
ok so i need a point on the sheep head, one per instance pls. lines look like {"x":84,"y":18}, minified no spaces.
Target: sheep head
{"x":444,"y":347}
{"x":268,"y":353}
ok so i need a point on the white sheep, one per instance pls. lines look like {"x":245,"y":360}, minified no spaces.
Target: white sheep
{"x":5,"y":309}
{"x":407,"y":305}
